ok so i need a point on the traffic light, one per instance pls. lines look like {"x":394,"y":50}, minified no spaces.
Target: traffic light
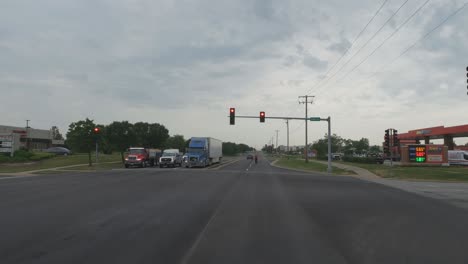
{"x":232,"y":116}
{"x":387,"y":141}
{"x":96,"y":130}
{"x":262,"y":117}
{"x":396,"y":142}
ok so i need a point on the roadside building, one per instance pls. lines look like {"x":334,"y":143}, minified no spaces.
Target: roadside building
{"x":30,"y":138}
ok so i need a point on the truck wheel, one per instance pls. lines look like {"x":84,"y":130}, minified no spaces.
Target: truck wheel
{"x":160,"y":165}
{"x":126,"y":166}
{"x":143,"y":164}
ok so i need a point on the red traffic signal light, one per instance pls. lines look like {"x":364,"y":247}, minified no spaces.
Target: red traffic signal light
{"x":232,"y":116}
{"x":96,"y":130}
{"x":262,"y":117}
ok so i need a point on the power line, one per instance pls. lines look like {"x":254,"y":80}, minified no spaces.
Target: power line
{"x":385,"y":40}
{"x":426,"y":35}
{"x":352,"y":44}
{"x":367,"y":42}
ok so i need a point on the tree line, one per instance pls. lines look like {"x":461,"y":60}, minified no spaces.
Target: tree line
{"x":118,"y":136}
{"x":338,"y":145}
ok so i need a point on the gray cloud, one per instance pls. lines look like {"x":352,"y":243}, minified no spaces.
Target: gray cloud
{"x":315,"y":63}
{"x":340,"y":47}
{"x":165,"y":61}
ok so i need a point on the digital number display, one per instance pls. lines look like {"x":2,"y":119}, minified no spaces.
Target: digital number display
{"x":417,"y":153}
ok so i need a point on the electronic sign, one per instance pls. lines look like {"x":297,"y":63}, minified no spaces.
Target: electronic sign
{"x":417,"y":153}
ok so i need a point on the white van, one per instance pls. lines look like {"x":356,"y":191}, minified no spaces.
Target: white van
{"x":458,"y":157}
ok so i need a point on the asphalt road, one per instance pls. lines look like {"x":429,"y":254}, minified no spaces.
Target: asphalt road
{"x":239,"y":213}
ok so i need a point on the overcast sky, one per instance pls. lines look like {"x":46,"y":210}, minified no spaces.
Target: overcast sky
{"x":183,"y":64}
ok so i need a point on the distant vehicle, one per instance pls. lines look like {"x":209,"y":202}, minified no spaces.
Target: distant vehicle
{"x":378,"y":157}
{"x":458,"y":157}
{"x":250,"y":156}
{"x":170,"y":158}
{"x":185,"y":161}
{"x":58,"y":151}
{"x":154,"y":155}
{"x":204,"y":151}
{"x":137,"y":157}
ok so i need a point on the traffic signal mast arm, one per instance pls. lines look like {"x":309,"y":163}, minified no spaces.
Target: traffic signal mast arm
{"x":287,"y":117}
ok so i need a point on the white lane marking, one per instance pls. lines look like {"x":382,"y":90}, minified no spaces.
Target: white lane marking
{"x":250,"y":165}
{"x":201,"y":235}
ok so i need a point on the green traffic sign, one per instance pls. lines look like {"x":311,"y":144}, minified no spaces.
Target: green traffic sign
{"x":314,"y":119}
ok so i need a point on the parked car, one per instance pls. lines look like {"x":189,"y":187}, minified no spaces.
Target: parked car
{"x":250,"y":156}
{"x":58,"y":151}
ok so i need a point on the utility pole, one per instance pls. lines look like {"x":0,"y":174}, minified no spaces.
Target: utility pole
{"x":329,"y":169}
{"x":27,"y":134}
{"x":277,"y":138}
{"x":306,"y":102}
{"x":287,"y":129}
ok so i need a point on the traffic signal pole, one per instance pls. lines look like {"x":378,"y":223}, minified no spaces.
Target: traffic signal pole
{"x":329,"y":169}
{"x":97,"y":152}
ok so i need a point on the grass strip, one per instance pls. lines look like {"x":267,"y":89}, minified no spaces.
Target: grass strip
{"x":452,"y":173}
{"x":300,"y":164}
{"x":58,"y":161}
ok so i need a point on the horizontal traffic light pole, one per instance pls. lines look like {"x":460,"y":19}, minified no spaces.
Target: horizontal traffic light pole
{"x":285,"y":117}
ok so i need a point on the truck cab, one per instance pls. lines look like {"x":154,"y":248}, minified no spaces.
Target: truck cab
{"x":170,"y":158}
{"x":203,"y":151}
{"x":137,"y":157}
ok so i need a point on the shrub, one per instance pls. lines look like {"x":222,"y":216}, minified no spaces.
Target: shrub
{"x":41,"y":156}
{"x":4,"y":158}
{"x":22,"y":154}
{"x":369,"y":160}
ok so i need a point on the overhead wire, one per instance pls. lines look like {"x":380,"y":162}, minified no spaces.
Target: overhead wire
{"x":352,"y":44}
{"x":366,"y":43}
{"x":427,"y":34}
{"x":385,"y":40}
{"x":423,"y":37}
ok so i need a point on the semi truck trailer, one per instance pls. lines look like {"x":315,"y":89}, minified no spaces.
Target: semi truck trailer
{"x":204,"y":151}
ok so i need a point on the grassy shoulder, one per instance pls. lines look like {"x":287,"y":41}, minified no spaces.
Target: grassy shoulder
{"x":97,"y":167}
{"x":452,"y":173}
{"x":295,"y":163}
{"x":58,"y":161}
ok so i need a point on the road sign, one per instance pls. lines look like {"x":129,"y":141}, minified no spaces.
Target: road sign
{"x":314,"y":119}
{"x":6,"y":144}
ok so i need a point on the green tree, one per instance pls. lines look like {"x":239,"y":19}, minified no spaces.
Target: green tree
{"x":56,"y":133}
{"x":120,"y":136}
{"x":80,"y":137}
{"x":150,"y":135}
{"x":176,"y":142}
{"x":321,"y":145}
{"x":158,"y":134}
{"x":229,"y":148}
{"x":362,"y":146}
{"x":374,"y":149}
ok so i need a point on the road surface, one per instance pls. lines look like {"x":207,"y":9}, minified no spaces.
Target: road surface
{"x":239,"y":213}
